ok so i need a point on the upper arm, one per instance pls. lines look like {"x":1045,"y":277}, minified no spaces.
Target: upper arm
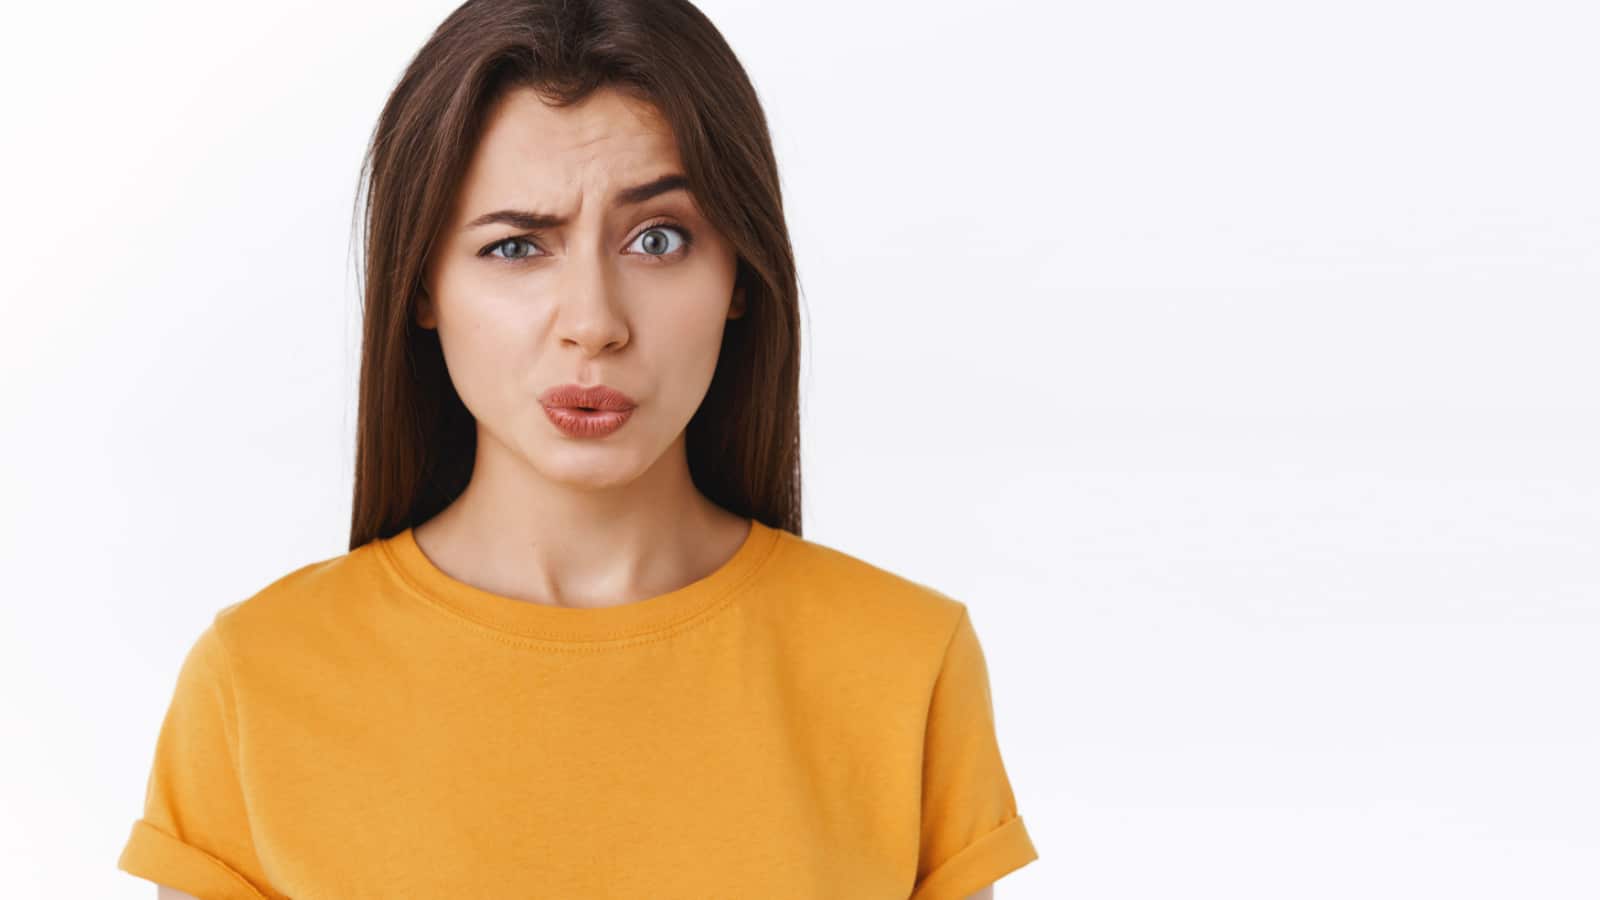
{"x":971,"y":832}
{"x":165,"y":893}
{"x":195,"y":833}
{"x":986,"y":893}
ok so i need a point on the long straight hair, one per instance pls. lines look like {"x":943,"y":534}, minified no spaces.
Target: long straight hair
{"x":415,"y":439}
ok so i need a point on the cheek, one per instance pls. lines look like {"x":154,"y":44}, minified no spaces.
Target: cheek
{"x":687,"y":344}
{"x":480,"y":352}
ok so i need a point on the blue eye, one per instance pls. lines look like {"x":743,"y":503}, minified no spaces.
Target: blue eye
{"x":656,"y":245}
{"x":489,"y":251}
{"x":660,"y":246}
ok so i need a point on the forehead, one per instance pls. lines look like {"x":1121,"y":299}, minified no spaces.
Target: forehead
{"x":539,"y":151}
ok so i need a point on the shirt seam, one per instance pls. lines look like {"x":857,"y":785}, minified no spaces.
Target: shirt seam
{"x":944,"y":658}
{"x":236,"y":739}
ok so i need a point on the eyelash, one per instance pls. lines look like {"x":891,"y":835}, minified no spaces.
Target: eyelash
{"x":685,"y":233}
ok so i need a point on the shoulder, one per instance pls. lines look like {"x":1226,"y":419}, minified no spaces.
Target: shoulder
{"x":853,"y":593}
{"x":318,"y":597}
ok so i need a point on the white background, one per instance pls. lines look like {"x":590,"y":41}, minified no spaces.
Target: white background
{"x":1235,"y":362}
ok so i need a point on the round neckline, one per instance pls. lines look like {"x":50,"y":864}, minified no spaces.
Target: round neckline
{"x":631,"y":620}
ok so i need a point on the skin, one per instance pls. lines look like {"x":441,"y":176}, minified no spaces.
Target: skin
{"x":546,"y":518}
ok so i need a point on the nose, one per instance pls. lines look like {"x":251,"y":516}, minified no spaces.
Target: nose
{"x":590,"y":314}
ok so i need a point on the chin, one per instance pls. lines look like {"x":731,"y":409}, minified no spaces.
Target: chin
{"x":588,"y":465}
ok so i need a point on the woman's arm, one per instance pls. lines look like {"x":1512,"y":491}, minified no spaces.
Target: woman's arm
{"x":986,"y":894}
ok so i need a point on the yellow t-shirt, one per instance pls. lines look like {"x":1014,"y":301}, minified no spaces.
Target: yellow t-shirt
{"x":796,"y":724}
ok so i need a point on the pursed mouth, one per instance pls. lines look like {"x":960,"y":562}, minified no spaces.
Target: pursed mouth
{"x":591,"y":409}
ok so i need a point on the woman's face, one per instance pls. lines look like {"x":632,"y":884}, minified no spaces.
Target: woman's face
{"x":632,"y":293}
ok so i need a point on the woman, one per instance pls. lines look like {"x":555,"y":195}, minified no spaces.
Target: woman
{"x":578,"y":647}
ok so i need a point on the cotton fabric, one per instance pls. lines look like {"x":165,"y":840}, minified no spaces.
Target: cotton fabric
{"x":799,"y":723}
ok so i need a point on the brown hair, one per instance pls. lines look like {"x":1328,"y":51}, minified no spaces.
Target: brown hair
{"x":415,"y":440}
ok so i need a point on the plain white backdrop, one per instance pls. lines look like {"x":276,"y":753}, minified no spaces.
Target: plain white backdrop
{"x":1236,"y":363}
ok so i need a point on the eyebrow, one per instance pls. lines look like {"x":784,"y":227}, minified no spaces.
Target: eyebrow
{"x":630,"y":196}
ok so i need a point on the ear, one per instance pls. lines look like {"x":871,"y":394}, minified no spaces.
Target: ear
{"x":736,"y":309}
{"x":427,"y":316}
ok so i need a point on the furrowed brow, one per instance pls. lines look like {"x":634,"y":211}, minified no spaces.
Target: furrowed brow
{"x":534,"y":221}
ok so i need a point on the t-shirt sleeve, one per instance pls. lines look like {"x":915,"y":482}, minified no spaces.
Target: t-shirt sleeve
{"x":971,"y":833}
{"x":195,"y":834}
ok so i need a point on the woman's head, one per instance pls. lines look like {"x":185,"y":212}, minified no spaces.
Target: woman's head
{"x":687,"y":299}
{"x":628,"y":292}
